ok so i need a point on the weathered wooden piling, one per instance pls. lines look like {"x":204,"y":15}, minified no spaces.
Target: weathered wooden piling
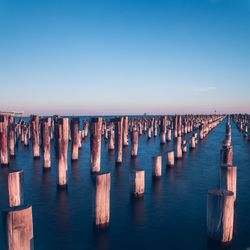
{"x":86,"y":128}
{"x":226,"y":155}
{"x":63,"y":140}
{"x":82,"y":134}
{"x":118,"y":139}
{"x":4,"y":154}
{"x":95,"y":143}
{"x":25,"y":133}
{"x":156,"y":166}
{"x":125,"y":131}
{"x":74,"y":126}
{"x":193,"y":142}
{"x":155,"y":131}
{"x":12,"y":136}
{"x":35,"y":136}
{"x":46,"y":142}
{"x":56,"y":135}
{"x":175,"y":126}
{"x":18,"y":228}
{"x":79,"y":139}
{"x":179,"y":147}
{"x":163,"y":129}
{"x":184,"y":146}
{"x":112,"y":137}
{"x":201,"y":132}
{"x":220,"y":215}
{"x":228,"y":178}
{"x":134,"y":143}
{"x":170,"y":159}
{"x":15,"y":188}
{"x":169,"y":137}
{"x":179,"y":126}
{"x":149,"y":133}
{"x":102,"y":208}
{"x":137,"y":181}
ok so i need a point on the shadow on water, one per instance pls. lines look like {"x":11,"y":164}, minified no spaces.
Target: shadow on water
{"x":157,"y":186}
{"x":137,"y":210}
{"x":101,"y":237}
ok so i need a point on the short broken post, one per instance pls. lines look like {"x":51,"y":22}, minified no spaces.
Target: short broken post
{"x":157,"y":166}
{"x":170,"y":159}
{"x":134,"y":143}
{"x":102,"y":207}
{"x":18,"y":228}
{"x":137,"y":180}
{"x":220,"y":215}
{"x":15,"y":188}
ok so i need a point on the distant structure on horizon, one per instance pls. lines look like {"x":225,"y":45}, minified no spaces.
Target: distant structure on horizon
{"x":14,"y":113}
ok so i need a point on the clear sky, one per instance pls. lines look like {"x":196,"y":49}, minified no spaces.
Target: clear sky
{"x":124,"y":56}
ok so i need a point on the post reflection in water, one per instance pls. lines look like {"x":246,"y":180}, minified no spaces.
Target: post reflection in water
{"x":138,"y":210}
{"x":101,"y":238}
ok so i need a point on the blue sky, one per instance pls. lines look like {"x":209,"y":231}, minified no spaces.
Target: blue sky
{"x":124,"y":56}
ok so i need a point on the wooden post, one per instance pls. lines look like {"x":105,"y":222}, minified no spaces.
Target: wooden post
{"x":15,"y":188}
{"x":83,"y":134}
{"x":228,"y":178}
{"x":22,"y":132}
{"x":137,"y":183}
{"x":125,"y":131}
{"x":102,"y":208}
{"x":75,"y":138}
{"x":25,"y":132}
{"x":155,"y":131}
{"x":193,"y":142}
{"x":46,"y":143}
{"x":12,"y":136}
{"x":56,"y":135}
{"x":170,"y":159}
{"x":95,"y":143}
{"x":175,"y":126}
{"x":169,"y":135}
{"x":184,"y":146}
{"x":220,"y":215}
{"x":179,"y":147}
{"x":227,"y":156}
{"x":201,"y":132}
{"x":179,"y":126}
{"x":4,"y":155}
{"x":157,"y":166}
{"x":149,"y":133}
{"x":134,"y":143}
{"x":112,"y":137}
{"x":118,"y":139}
{"x":163,"y":129}
{"x":63,"y":140}
{"x":35,"y":137}
{"x":86,"y":128}
{"x":18,"y":228}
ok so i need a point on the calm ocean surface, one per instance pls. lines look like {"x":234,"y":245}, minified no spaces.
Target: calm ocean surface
{"x":172,"y":214}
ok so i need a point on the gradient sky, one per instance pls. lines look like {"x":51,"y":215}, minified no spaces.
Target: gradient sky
{"x":124,"y":56}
